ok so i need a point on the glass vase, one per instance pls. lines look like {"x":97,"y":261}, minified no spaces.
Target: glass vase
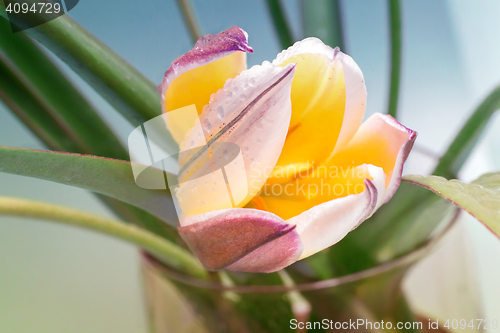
{"x":370,"y":300}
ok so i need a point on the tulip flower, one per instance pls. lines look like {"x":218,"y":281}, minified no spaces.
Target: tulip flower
{"x":311,"y":171}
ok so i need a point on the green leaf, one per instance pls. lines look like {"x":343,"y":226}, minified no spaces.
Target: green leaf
{"x":452,"y":161}
{"x":280,"y":23}
{"x":19,"y":100}
{"x":60,"y":104}
{"x":481,"y":198}
{"x":395,"y":16}
{"x":190,"y":19}
{"x":101,"y":175}
{"x":125,"y":88}
{"x":323,"y":19}
{"x":165,"y":251}
{"x":121,"y":84}
{"x":59,"y":116}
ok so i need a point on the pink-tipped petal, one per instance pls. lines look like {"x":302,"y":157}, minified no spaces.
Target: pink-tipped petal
{"x":207,"y":49}
{"x":231,"y":238}
{"x":273,"y":256}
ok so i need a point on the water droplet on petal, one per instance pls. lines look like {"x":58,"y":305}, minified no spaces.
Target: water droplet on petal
{"x":207,"y":125}
{"x":220,"y":112}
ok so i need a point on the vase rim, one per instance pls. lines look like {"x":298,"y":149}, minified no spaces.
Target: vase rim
{"x":405,"y":259}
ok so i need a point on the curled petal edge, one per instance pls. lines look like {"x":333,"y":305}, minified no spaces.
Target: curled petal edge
{"x":403,"y":154}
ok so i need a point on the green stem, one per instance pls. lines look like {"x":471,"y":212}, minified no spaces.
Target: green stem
{"x":162,"y":249}
{"x":59,"y":115}
{"x":18,"y":99}
{"x":60,"y":103}
{"x":323,"y":19}
{"x":395,"y":15}
{"x":452,"y":161}
{"x":301,"y":307}
{"x":190,"y":19}
{"x":125,"y":88}
{"x":280,"y":23}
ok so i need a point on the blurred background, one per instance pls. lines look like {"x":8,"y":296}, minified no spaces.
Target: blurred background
{"x":59,"y":279}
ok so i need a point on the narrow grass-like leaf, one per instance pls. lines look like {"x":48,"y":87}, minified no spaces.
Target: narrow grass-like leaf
{"x":61,"y":102}
{"x":323,"y":19}
{"x":396,"y":42}
{"x":481,"y":198}
{"x":101,"y":175}
{"x":18,"y":99}
{"x":59,"y":116}
{"x":169,"y":253}
{"x":125,"y":88}
{"x":121,"y":84}
{"x":280,"y":23}
{"x":190,"y":19}
{"x":452,"y":161}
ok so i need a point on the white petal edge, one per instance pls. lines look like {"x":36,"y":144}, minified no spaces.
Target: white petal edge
{"x":324,"y":225}
{"x":355,"y":103}
{"x":354,"y":83}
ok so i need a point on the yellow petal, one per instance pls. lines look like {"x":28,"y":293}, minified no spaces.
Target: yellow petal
{"x":378,"y":142}
{"x":323,"y":184}
{"x":197,"y":85}
{"x":318,"y":104}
